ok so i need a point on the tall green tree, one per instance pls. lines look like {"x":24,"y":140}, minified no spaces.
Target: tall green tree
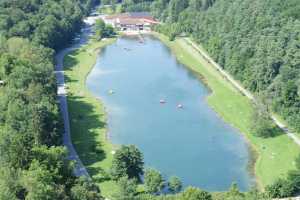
{"x":9,"y":183}
{"x":127,"y":161}
{"x":175,"y":7}
{"x":127,"y":189}
{"x":39,"y":184}
{"x":262,"y":124}
{"x":154,"y":181}
{"x":174,"y":184}
{"x":84,"y":189}
{"x":195,"y":194}
{"x":102,"y":30}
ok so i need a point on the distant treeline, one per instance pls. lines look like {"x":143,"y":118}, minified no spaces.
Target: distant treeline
{"x":257,"y":41}
{"x":33,"y":164}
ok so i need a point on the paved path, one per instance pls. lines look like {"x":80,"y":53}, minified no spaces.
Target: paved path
{"x":80,"y":169}
{"x":237,"y":85}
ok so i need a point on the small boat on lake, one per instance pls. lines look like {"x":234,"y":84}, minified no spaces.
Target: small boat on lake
{"x":179,"y":106}
{"x":127,"y":49}
{"x":162,"y":101}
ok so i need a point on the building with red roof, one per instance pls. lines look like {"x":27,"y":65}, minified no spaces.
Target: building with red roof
{"x":132,"y":21}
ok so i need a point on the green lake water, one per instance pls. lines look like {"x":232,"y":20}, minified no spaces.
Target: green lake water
{"x":193,"y":143}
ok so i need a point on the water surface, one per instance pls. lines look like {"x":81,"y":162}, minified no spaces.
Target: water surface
{"x":192,"y":143}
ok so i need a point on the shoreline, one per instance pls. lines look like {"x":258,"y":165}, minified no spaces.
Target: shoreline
{"x":253,"y":154}
{"x":108,"y":185}
{"x":98,"y":99}
{"x":88,"y":115}
{"x":257,"y":168}
{"x":98,"y":51}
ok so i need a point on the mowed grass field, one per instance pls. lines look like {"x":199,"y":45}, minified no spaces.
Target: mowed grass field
{"x":275,"y":156}
{"x":88,"y":118}
{"x":87,"y":115}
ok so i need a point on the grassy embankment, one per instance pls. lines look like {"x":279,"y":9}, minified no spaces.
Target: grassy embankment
{"x":87,"y":114}
{"x":275,"y":155}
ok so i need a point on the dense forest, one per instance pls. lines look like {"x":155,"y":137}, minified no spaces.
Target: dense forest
{"x":33,"y":164}
{"x":257,"y":41}
{"x":50,"y":23}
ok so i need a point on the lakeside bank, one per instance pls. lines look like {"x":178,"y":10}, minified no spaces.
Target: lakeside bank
{"x":275,"y":156}
{"x":88,"y":116}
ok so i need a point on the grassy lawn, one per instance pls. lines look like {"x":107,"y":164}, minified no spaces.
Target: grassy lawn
{"x":87,"y":115}
{"x":88,"y":123}
{"x":275,"y":156}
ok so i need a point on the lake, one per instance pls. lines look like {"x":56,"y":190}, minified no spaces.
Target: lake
{"x":192,"y":142}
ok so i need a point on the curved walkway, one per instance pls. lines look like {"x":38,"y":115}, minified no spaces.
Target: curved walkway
{"x":238,"y":86}
{"x":80,"y":169}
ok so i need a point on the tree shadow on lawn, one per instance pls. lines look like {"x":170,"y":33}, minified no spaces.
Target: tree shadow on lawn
{"x":69,"y":80}
{"x":85,"y":125}
{"x":70,"y":60}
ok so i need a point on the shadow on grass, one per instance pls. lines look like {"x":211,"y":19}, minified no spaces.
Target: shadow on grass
{"x":70,"y":60}
{"x":85,"y":125}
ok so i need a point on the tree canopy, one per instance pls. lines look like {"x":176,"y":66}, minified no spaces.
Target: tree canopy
{"x":127,"y":161}
{"x":257,"y":41}
{"x":33,"y":164}
{"x":154,"y":181}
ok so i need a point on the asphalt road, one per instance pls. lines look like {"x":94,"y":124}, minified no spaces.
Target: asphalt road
{"x":80,"y":40}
